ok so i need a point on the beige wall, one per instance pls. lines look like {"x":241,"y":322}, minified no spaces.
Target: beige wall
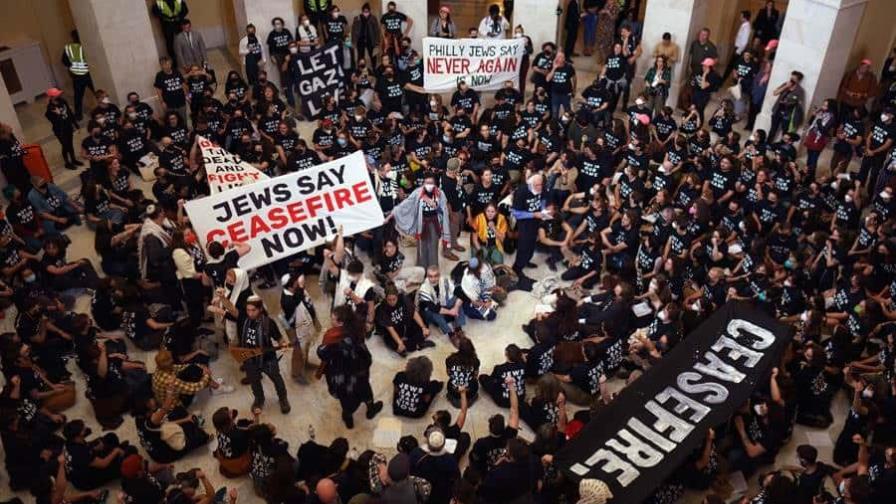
{"x":46,"y":21}
{"x":876,"y":34}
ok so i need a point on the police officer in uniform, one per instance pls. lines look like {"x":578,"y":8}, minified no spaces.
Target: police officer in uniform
{"x":170,"y":13}
{"x":529,"y":202}
{"x":73,"y":59}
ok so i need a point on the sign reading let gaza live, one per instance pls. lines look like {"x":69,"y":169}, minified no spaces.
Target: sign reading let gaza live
{"x":319,"y":75}
{"x":658,"y":421}
{"x":282,"y":216}
{"x":484,"y":64}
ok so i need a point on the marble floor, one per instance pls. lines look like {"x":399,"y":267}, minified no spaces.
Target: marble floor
{"x":311,"y":404}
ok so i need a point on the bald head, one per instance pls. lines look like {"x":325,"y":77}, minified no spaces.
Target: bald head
{"x":326,"y":491}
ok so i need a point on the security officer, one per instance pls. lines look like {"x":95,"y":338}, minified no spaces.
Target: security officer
{"x":73,"y":59}
{"x":170,"y":13}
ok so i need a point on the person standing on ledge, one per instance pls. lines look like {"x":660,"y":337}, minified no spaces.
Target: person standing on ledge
{"x":171,"y":14}
{"x":189,"y":48}
{"x":73,"y":59}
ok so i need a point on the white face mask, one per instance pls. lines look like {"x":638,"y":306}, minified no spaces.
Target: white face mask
{"x":433,"y":104}
{"x":293,"y":50}
{"x":848,"y":198}
{"x":654,"y":285}
{"x":639,"y":101}
{"x":358,"y":117}
{"x":885,"y":117}
{"x":664,"y":316}
{"x":758,"y":409}
{"x":132,"y":115}
{"x":306,"y":23}
{"x":632,"y":146}
{"x":429,"y":187}
{"x":517,"y":35}
{"x":804,"y":316}
{"x":867,"y":394}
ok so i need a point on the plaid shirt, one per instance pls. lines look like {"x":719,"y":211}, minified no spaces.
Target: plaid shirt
{"x":163,"y":381}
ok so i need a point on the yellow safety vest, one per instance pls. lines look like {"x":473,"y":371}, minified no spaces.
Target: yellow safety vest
{"x":75,"y":55}
{"x":167,"y":12}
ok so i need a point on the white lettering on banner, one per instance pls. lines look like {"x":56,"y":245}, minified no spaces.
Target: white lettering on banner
{"x":279,"y":217}
{"x":484,"y":64}
{"x":225,"y":170}
{"x":672,"y":414}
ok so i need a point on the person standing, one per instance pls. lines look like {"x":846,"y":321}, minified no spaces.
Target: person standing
{"x":631,"y":49}
{"x":856,"y":88}
{"x":253,"y":53}
{"x":589,"y":19}
{"x":741,"y":43}
{"x":766,"y":23}
{"x":528,"y":208}
{"x":494,"y":26}
{"x":520,"y":32}
{"x":365,"y":35}
{"x":189,"y":48}
{"x":606,"y":29}
{"x":345,"y":361}
{"x":300,"y":318}
{"x":571,"y":25}
{"x":258,"y":330}
{"x":335,"y":30}
{"x":318,"y":11}
{"x":787,"y":113}
{"x":393,"y":29}
{"x":425,"y":214}
{"x":701,"y":49}
{"x":562,"y":79}
{"x":704,"y":84}
{"x":64,"y":125}
{"x":12,"y":162}
{"x":73,"y":59}
{"x":171,"y":14}
{"x":279,"y":40}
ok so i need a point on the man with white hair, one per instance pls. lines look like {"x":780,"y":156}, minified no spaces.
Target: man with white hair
{"x":528,"y":209}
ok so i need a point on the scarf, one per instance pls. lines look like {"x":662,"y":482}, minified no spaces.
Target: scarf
{"x":150,"y":228}
{"x":239,"y":285}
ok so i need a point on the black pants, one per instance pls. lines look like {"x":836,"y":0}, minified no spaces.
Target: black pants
{"x":252,"y":69}
{"x":350,"y":402}
{"x":778,"y":123}
{"x":495,"y":389}
{"x":576,"y":272}
{"x":66,"y":140}
{"x":169,"y":31}
{"x":569,"y":44}
{"x":268,"y":365}
{"x":193,"y":294}
{"x":365,"y":50}
{"x":411,"y":335}
{"x":870,"y":168}
{"x":528,"y":237}
{"x":81,"y":83}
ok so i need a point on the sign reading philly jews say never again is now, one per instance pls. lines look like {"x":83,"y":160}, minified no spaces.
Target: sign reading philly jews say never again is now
{"x":224,"y":169}
{"x":657,"y":422}
{"x":484,"y":64}
{"x":282,"y":216}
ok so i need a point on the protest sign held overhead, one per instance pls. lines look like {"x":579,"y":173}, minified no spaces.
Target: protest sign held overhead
{"x":655,"y":423}
{"x":319,"y":75}
{"x":282,"y":216}
{"x":224,"y":169}
{"x":484,"y":64}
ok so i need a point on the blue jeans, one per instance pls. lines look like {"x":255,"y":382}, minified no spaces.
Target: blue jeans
{"x":590,"y":29}
{"x":558,"y":99}
{"x":442,"y":321}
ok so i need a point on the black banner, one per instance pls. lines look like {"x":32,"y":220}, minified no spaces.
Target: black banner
{"x":319,"y":75}
{"x":655,"y":423}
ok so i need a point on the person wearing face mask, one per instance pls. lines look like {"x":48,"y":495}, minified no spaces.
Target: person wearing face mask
{"x":171,"y":88}
{"x":390,"y":90}
{"x":394,"y":30}
{"x":92,"y":464}
{"x":787,"y":112}
{"x":306,"y":35}
{"x":254,"y":54}
{"x":494,"y":26}
{"x":335,"y":30}
{"x":278,"y":43}
{"x":878,"y":143}
{"x":64,"y":125}
{"x":425,"y":214}
{"x":366,"y":34}
{"x":562,"y":78}
{"x":542,"y":64}
{"x":758,"y":431}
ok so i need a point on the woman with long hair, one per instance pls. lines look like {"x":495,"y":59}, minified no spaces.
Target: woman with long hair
{"x":657,"y":81}
{"x":414,"y":388}
{"x":462,"y":368}
{"x":443,"y":26}
{"x":189,"y":259}
{"x":346,"y":364}
{"x":489,"y":230}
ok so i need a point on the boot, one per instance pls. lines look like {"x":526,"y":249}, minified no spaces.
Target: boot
{"x":373,"y":408}
{"x":284,"y":406}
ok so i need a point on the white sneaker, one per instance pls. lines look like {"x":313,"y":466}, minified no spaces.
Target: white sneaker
{"x":222,"y":389}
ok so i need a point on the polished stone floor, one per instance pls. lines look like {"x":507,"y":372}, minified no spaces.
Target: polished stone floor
{"x":311,"y":404}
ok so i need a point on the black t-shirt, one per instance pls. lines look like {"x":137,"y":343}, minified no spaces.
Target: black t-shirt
{"x":233,"y":443}
{"x":390,"y":92}
{"x":616,"y":67}
{"x":881,"y":132}
{"x":411,"y":399}
{"x":466,"y":100}
{"x":78,"y":457}
{"x":486,"y":451}
{"x":397,"y":317}
{"x":562,"y":79}
{"x":336,"y":27}
{"x":143,"y":490}
{"x":172,"y":87}
{"x":392,"y":22}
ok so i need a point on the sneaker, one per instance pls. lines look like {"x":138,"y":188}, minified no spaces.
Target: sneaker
{"x":284,"y":406}
{"x":373,"y":409}
{"x":222,"y":389}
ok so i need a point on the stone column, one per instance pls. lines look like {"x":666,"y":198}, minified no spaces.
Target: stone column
{"x":539,"y":20}
{"x":118,"y":41}
{"x":8,"y":112}
{"x":260,"y":13}
{"x":683,"y":19}
{"x":416,"y":10}
{"x":816,"y":39}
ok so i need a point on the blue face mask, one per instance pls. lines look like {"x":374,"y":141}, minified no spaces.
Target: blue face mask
{"x":342,"y":142}
{"x":788,"y":264}
{"x":762,"y":296}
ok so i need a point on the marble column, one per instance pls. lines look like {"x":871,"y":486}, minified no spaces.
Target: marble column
{"x":416,"y":10}
{"x":816,"y":39}
{"x":8,"y":112}
{"x":683,"y":19}
{"x":260,"y":13}
{"x":117,"y":37}
{"x":539,"y":20}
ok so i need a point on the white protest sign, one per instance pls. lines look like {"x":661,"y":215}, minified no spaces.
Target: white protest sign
{"x":484,"y":64}
{"x":224,"y":169}
{"x":281,"y":216}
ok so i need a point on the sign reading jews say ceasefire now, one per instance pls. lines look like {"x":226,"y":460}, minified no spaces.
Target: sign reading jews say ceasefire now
{"x":657,"y":422}
{"x":225,"y":170}
{"x":484,"y":64}
{"x":279,"y":217}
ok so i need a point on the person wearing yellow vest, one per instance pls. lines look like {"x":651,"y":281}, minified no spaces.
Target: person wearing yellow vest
{"x":170,"y":13}
{"x":73,"y":58}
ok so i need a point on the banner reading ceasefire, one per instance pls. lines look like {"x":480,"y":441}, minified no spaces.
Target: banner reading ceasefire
{"x":224,"y":169}
{"x":282,"y":216}
{"x":484,"y":64}
{"x":655,"y":423}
